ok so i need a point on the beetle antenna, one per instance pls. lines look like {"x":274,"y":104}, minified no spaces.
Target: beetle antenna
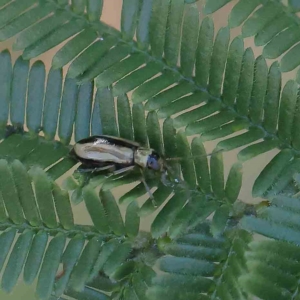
{"x":193,"y":156}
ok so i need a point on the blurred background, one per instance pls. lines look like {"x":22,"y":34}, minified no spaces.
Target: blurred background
{"x":111,"y":15}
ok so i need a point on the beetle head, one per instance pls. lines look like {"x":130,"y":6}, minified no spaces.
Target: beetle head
{"x":154,"y":161}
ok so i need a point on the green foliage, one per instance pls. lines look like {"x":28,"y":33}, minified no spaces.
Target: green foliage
{"x":37,"y":214}
{"x":274,"y":25}
{"x":273,"y":263}
{"x":183,"y":78}
{"x":196,"y":266}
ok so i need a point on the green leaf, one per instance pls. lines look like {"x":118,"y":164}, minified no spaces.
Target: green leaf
{"x":271,"y":230}
{"x":49,"y":267}
{"x":43,"y":193}
{"x":219,"y":220}
{"x":10,"y":195}
{"x":67,"y":110}
{"x":218,"y":60}
{"x":107,"y":111}
{"x":18,"y":91}
{"x":232,"y":72}
{"x":179,"y":265}
{"x":217,"y":174}
{"x":136,"y":78}
{"x":285,"y":177}
{"x":187,"y":166}
{"x":287,"y":111}
{"x":142,"y":31}
{"x":105,"y":253}
{"x":112,"y":57}
{"x":35,"y":97}
{"x":260,"y":19}
{"x":181,"y":104}
{"x":78,"y":6}
{"x":139,"y":124}
{"x":5,"y":83}
{"x":271,"y":30}
{"x":69,"y":259}
{"x":31,"y":35}
{"x":35,"y":256}
{"x":63,"y":207}
{"x":16,"y":261}
{"x":248,"y":137}
{"x":124,"y":117}
{"x":258,"y":90}
{"x":209,"y":123}
{"x":241,"y":11}
{"x":125,"y":270}
{"x":173,"y":31}
{"x":213,"y":5}
{"x":88,"y":294}
{"x":132,"y":220}
{"x":166,"y":97}
{"x":245,"y":83}
{"x":112,"y":212}
{"x":82,"y":269}
{"x":271,"y":102}
{"x":270,"y":172}
{"x":73,"y":48}
{"x":197,"y":114}
{"x":257,"y":149}
{"x":52,"y":103}
{"x":224,"y":130}
{"x":290,"y":60}
{"x":160,"y":195}
{"x":234,"y":182}
{"x":204,"y":51}
{"x":158,"y":22}
{"x":168,"y":213}
{"x":83,"y":111}
{"x":12,"y":10}
{"x":54,"y":38}
{"x":25,"y":193}
{"x":129,"y":18}
{"x":189,"y":40}
{"x":282,"y":42}
{"x":90,"y":56}
{"x":95,"y":209}
{"x":152,"y":87}
{"x":119,"y":70}
{"x":201,"y":165}
{"x":6,"y":240}
{"x":116,"y":258}
{"x":153,"y":131}
{"x":94,"y":9}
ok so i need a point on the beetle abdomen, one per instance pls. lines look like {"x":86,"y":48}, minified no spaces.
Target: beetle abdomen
{"x":101,"y":152}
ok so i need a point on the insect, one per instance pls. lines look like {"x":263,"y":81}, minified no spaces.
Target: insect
{"x":117,"y":155}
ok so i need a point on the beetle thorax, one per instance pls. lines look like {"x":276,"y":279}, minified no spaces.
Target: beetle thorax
{"x":141,"y":156}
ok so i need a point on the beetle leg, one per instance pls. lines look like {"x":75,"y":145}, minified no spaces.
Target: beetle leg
{"x":92,"y":169}
{"x":123,"y":170}
{"x":147,"y":188}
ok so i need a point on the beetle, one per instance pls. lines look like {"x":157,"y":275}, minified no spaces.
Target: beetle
{"x":117,"y":155}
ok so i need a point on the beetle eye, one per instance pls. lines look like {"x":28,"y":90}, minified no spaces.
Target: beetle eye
{"x":153,"y":163}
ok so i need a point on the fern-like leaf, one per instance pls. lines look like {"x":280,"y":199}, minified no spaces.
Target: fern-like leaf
{"x":42,"y":213}
{"x":201,"y":266}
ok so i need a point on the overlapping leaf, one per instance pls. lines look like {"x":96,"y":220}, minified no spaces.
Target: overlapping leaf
{"x":273,"y":270}
{"x":37,"y":214}
{"x":200,"y":266}
{"x":273,"y":25}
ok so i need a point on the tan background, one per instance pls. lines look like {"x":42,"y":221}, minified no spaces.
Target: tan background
{"x":111,"y":15}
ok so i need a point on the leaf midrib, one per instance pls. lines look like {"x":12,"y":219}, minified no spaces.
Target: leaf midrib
{"x":86,"y":230}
